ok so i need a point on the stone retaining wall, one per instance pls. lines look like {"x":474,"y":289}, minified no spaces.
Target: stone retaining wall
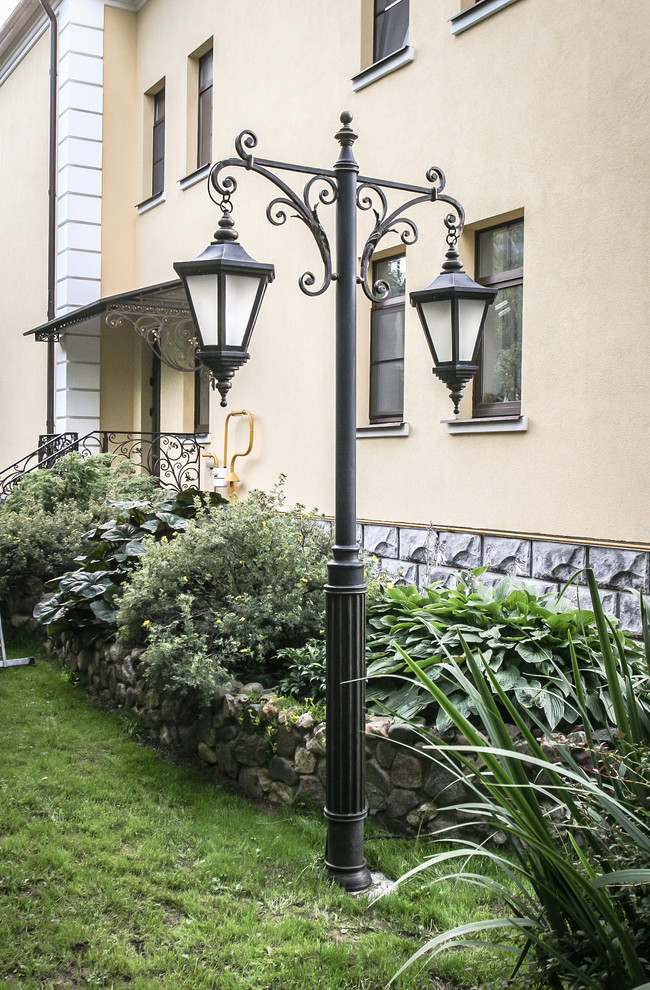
{"x":272,"y":753}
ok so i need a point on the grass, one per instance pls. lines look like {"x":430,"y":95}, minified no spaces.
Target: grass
{"x":120,"y":868}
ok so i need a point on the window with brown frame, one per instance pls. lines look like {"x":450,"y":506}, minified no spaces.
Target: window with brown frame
{"x":387,"y":343}
{"x":391,"y":20}
{"x":204,"y":154}
{"x":158,"y":171}
{"x":500,"y":263}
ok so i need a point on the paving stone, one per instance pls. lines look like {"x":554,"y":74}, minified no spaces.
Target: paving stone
{"x":617,"y":568}
{"x":507,"y":556}
{"x":380,"y":540}
{"x":557,"y":561}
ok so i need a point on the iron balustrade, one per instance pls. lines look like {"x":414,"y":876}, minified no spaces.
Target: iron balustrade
{"x":175,"y":458}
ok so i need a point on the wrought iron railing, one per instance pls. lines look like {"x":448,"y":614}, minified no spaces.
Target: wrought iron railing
{"x":173,"y":457}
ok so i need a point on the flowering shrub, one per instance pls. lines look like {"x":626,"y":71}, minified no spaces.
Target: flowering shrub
{"x":234,"y":588}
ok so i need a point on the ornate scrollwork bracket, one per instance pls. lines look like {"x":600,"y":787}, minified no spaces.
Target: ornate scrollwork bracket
{"x":319,"y":189}
{"x":171,"y":336}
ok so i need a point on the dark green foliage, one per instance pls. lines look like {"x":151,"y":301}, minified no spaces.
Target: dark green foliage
{"x":85,"y":599}
{"x":527,"y":641}
{"x":228,"y":593}
{"x":85,"y":481}
{"x":305,"y":674}
{"x":578,"y":894}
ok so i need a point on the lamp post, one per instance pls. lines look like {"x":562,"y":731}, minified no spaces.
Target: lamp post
{"x":214,"y":283}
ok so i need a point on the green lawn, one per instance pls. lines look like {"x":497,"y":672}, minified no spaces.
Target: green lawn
{"x":119,"y":868}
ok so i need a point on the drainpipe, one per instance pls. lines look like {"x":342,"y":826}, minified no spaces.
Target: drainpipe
{"x":51,"y":231}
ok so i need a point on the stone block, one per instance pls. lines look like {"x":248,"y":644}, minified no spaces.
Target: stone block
{"x":130,"y":699}
{"x":281,"y":793}
{"x":378,"y":725}
{"x":459,"y":550}
{"x":281,"y":769}
{"x":406,"y":771}
{"x":580,"y":595}
{"x":630,"y":614}
{"x":620,"y":569}
{"x":83,"y":660}
{"x":304,"y":761}
{"x":207,"y":754}
{"x":377,"y":776}
{"x":286,"y":741}
{"x":321,"y":770}
{"x":401,"y":732}
{"x":119,"y":695}
{"x":167,"y":736}
{"x":431,"y":574}
{"x":417,"y":545}
{"x":385,"y":753}
{"x":248,"y":780}
{"x":557,"y":561}
{"x":316,"y":744}
{"x":380,"y":540}
{"x":401,"y":571}
{"x":187,"y":737}
{"x":226,"y":760}
{"x":128,"y":673}
{"x":311,"y":791}
{"x":305,"y":721}
{"x":251,"y":751}
{"x":226,"y":732}
{"x":507,"y":556}
{"x":400,"y":802}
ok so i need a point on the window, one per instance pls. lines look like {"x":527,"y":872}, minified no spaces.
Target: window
{"x":391,"y":27}
{"x":387,"y":343}
{"x":500,"y":263}
{"x":204,"y":154}
{"x":202,"y":401}
{"x":158,"y":173}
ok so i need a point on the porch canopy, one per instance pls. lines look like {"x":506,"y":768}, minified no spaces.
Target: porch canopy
{"x":158,"y":313}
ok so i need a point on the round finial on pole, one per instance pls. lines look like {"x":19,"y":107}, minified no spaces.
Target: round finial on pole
{"x":346,"y":117}
{"x":346,"y":135}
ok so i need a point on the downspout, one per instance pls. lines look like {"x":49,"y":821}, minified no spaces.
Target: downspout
{"x":51,"y":230}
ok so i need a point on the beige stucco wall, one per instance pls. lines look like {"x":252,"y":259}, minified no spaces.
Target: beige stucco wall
{"x":23,"y":234}
{"x":538,"y":110}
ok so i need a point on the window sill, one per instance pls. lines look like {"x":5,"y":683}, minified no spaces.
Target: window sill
{"x":488,"y":424}
{"x":375,"y":430}
{"x":194,"y":177}
{"x":148,"y":204}
{"x":477,"y":13}
{"x":383,"y":68}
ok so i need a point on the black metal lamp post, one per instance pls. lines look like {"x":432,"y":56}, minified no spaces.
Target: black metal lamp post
{"x":345,"y":591}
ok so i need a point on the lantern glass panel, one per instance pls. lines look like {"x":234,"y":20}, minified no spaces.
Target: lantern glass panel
{"x":470,"y":314}
{"x":204,"y":292}
{"x":241,"y":292}
{"x":437,"y":316}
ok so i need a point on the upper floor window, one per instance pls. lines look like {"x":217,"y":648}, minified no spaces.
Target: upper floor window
{"x":387,"y":343}
{"x":204,"y":154}
{"x":500,"y":263}
{"x":391,"y":27}
{"x":158,"y":173}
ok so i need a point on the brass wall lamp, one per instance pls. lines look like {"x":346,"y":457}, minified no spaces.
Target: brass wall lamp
{"x":224,"y":476}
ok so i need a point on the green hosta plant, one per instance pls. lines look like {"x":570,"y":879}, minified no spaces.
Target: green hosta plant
{"x":527,"y":641}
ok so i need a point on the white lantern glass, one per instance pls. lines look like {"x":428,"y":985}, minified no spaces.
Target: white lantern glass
{"x":241,"y":292}
{"x":204,"y":292}
{"x":470,"y":314}
{"x":437,"y":316}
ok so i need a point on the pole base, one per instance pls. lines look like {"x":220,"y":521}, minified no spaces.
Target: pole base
{"x":354,"y":879}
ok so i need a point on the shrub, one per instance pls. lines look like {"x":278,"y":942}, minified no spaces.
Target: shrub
{"x":578,"y":894}
{"x":527,"y":641}
{"x":85,"y":599}
{"x":305,"y":673}
{"x":251,"y":580}
{"x":85,"y":481}
{"x":35,"y":545}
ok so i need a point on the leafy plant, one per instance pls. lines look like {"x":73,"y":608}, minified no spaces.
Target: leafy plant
{"x":305,"y":674}
{"x":252,"y":583}
{"x":529,"y":643}
{"x":579,"y":894}
{"x":86,"y":598}
{"x":85,"y":481}
{"x":35,"y":545}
